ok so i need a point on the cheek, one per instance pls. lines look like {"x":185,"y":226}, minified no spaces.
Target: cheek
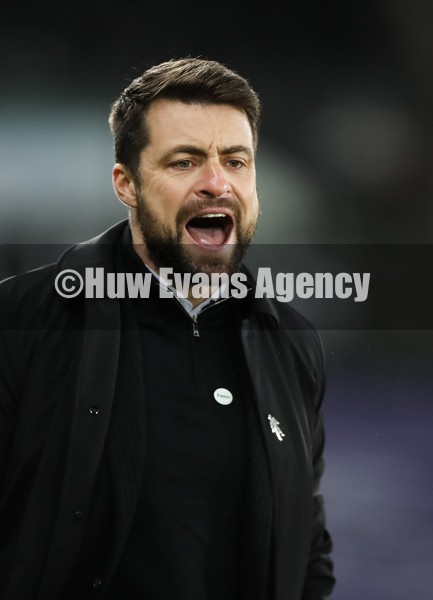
{"x":170,"y":191}
{"x":162,"y":197}
{"x":252,"y":203}
{"x":174,"y":201}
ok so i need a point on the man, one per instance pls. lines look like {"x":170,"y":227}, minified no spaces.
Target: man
{"x":164,"y":447}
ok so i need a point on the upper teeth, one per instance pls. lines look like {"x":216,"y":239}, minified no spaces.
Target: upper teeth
{"x":211,"y":215}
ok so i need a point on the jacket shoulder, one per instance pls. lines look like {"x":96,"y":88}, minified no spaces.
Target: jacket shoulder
{"x":26,"y":288}
{"x":304,"y":341}
{"x":30,"y":298}
{"x":27,"y":282}
{"x":29,"y":301}
{"x":302,"y":332}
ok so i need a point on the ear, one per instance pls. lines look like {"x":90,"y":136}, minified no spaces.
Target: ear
{"x":124,"y":185}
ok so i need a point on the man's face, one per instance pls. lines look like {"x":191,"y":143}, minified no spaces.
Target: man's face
{"x":197,"y":204}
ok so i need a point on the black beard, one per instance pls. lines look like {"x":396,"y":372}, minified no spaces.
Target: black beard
{"x":166,"y":250}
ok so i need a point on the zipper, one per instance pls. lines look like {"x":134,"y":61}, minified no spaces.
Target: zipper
{"x":195,"y":330}
{"x":194,"y":318}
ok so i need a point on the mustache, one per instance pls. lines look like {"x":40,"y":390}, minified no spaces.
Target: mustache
{"x":194,"y":207}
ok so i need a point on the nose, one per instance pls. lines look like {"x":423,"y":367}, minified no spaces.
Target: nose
{"x":212,"y":182}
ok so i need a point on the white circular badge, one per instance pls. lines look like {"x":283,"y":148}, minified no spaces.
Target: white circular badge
{"x":223,"y":396}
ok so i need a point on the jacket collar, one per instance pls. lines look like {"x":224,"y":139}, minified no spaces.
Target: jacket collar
{"x":261,"y":306}
{"x":99,"y":251}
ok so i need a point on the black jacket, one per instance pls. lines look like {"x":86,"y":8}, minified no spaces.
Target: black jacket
{"x":59,"y":369}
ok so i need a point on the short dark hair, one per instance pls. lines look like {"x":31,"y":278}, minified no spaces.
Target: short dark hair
{"x":190,"y":80}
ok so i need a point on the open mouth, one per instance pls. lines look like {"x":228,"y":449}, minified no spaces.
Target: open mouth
{"x":211,"y":230}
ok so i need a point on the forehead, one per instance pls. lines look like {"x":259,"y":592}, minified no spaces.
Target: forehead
{"x":172,"y":122}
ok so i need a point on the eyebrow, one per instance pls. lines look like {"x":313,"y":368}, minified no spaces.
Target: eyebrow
{"x":197,"y":151}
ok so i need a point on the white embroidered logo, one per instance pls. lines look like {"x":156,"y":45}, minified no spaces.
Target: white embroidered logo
{"x":275,"y":428}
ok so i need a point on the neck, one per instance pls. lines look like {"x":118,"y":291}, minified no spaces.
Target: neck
{"x":141,"y":249}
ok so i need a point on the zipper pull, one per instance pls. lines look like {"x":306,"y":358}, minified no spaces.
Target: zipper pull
{"x":195,"y":330}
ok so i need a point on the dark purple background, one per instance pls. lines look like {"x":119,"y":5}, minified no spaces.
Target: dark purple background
{"x":378,"y":482}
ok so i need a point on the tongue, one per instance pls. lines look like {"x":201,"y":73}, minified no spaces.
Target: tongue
{"x":209,"y":236}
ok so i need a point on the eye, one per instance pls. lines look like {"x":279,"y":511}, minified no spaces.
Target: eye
{"x":235,"y":163}
{"x":183,"y":164}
